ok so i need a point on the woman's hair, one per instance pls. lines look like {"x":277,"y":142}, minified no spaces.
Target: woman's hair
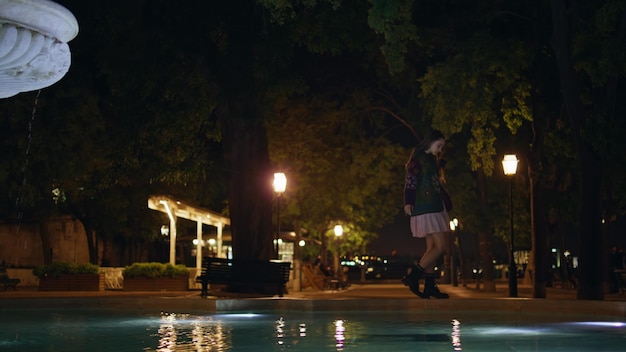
{"x":430,"y":138}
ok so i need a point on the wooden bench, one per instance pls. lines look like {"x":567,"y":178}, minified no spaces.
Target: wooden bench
{"x":245,"y":275}
{"x":6,"y":281}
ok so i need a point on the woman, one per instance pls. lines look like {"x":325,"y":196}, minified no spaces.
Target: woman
{"x":423,"y":202}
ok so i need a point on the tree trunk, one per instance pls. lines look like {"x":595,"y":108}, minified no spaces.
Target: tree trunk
{"x":90,"y":232}
{"x":323,"y":244}
{"x":246,"y":153}
{"x":485,"y":237}
{"x":251,"y":176}
{"x":45,"y":241}
{"x":591,"y":269}
{"x":536,"y":174}
{"x":539,"y":230}
{"x":589,"y":164}
{"x":106,"y":256}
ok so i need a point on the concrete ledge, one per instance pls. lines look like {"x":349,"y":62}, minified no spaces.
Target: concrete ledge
{"x":519,"y":309}
{"x":560,"y":306}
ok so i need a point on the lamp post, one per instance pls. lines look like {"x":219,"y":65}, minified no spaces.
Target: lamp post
{"x":454,"y":223}
{"x":338,"y":232}
{"x":509,"y":165}
{"x":280,"y":184}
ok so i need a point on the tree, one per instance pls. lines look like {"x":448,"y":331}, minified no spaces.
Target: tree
{"x":322,"y":28}
{"x":483,"y":87}
{"x":112,"y":131}
{"x":338,"y":173}
{"x":590,"y":93}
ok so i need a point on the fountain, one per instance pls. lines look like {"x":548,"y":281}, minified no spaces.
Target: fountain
{"x":33,"y":44}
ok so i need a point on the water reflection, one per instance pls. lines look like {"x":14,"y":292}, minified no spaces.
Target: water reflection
{"x":302,"y":329}
{"x":237,"y":332}
{"x":178,"y":333}
{"x":339,"y":335}
{"x":167,"y":340}
{"x":456,"y":335}
{"x":181,"y":332}
{"x":280,"y":332}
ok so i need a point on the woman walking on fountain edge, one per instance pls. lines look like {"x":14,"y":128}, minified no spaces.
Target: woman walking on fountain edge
{"x":423,"y":202}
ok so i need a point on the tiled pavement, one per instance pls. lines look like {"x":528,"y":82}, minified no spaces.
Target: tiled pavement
{"x":379,"y":296}
{"x":355,"y":291}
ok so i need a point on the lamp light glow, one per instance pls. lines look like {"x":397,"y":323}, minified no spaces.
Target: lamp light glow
{"x":509,"y":164}
{"x":280,"y":182}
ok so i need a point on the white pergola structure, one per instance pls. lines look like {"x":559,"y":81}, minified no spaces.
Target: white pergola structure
{"x":175,"y":209}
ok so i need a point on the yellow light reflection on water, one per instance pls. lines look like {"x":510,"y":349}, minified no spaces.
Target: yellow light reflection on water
{"x":456,"y":335}
{"x":339,"y":334}
{"x":175,"y":335}
{"x":280,"y":330}
{"x":283,"y":331}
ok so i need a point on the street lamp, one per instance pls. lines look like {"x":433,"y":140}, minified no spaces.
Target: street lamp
{"x":509,"y":164}
{"x":338,"y":232}
{"x":454,"y":223}
{"x":280,"y":184}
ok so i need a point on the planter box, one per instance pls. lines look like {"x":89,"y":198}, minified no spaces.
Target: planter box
{"x":73,"y":282}
{"x":156,"y":284}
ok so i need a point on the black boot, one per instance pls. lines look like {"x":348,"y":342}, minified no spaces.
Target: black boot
{"x":431,"y":289}
{"x":412,"y":279}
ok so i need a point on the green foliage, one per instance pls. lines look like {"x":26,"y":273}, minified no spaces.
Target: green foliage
{"x":155,"y":270}
{"x":600,"y":50}
{"x":135,"y":113}
{"x":118,"y":127}
{"x":393,"y":19}
{"x":282,"y":11}
{"x":324,"y":27}
{"x":483,"y":86}
{"x":57,"y":269}
{"x":336,"y":172}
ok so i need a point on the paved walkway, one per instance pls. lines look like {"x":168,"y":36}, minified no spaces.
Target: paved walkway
{"x":361,"y":291}
{"x":355,"y":292}
{"x":357,"y":297}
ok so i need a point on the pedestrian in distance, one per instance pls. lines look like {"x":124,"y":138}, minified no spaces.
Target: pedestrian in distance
{"x":425,"y":201}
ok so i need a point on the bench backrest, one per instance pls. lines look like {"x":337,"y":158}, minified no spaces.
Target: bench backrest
{"x":220,"y":269}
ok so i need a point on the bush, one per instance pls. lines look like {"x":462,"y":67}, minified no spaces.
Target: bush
{"x":57,"y":269}
{"x":155,"y":270}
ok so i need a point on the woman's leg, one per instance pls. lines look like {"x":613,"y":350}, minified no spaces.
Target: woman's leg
{"x":435,"y":247}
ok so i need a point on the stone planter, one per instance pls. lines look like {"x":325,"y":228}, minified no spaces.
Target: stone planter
{"x":156,"y":284}
{"x":73,"y":282}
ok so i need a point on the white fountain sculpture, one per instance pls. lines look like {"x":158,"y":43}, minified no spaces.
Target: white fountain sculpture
{"x":33,"y":44}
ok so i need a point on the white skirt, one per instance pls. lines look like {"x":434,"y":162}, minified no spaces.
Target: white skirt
{"x":425,"y":224}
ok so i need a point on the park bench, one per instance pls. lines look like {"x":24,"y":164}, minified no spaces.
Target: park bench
{"x":256,"y":276}
{"x":314,"y":277}
{"x":6,"y":281}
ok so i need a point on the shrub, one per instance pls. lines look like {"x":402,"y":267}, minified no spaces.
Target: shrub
{"x":155,"y":270}
{"x":57,"y":269}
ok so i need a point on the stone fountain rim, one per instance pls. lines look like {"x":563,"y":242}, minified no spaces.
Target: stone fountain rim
{"x":44,"y":16}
